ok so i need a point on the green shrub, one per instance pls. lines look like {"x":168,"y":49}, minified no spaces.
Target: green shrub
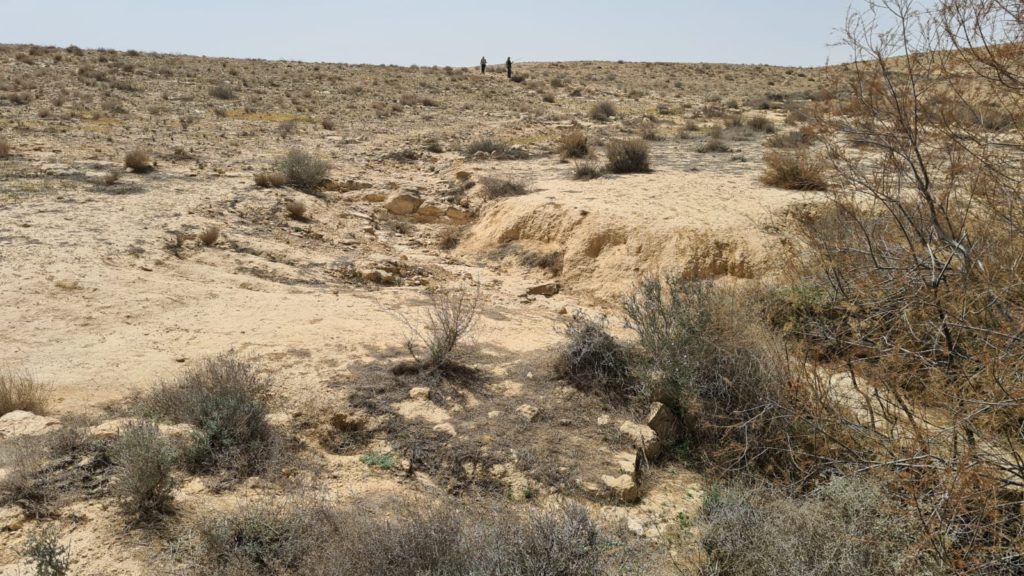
{"x":143,"y":461}
{"x":628,"y":156}
{"x":303,"y":170}
{"x":224,"y":398}
{"x":50,"y":557}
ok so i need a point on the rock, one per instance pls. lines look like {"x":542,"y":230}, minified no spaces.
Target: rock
{"x":11,"y":518}
{"x":446,"y":427}
{"x":457,"y":214}
{"x":375,"y":197}
{"x":634,"y":525}
{"x":22,"y":423}
{"x":603,"y":420}
{"x":279,"y":419}
{"x":546,"y":290}
{"x":643,"y":437}
{"x":527,"y":412}
{"x":429,"y":213}
{"x":622,"y":488}
{"x":494,"y":414}
{"x":112,"y":429}
{"x":420,"y":393}
{"x":403,"y":203}
{"x":664,"y":423}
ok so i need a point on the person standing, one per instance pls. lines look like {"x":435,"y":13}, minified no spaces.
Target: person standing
{"x":483,"y":65}
{"x":508,"y":67}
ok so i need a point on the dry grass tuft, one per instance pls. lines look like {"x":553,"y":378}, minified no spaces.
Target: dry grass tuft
{"x":143,"y":461}
{"x":573,"y":144}
{"x":586,"y":171}
{"x":503,"y":188}
{"x":270,"y":179}
{"x":798,"y":170}
{"x":296,"y":209}
{"x":628,"y":156}
{"x":303,"y":170}
{"x":20,"y":391}
{"x":449,"y":319}
{"x":222,"y":91}
{"x":138,"y":160}
{"x":603,"y":111}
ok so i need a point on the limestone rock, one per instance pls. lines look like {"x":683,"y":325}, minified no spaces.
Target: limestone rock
{"x":664,"y":423}
{"x":22,"y":423}
{"x":429,"y":213}
{"x":643,"y":437}
{"x":527,"y":412}
{"x":447,"y":428}
{"x":546,"y":290}
{"x":457,"y":214}
{"x":403,"y":203}
{"x":622,"y":487}
{"x":112,"y":428}
{"x":420,"y":393}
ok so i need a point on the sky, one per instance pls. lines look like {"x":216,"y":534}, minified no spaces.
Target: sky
{"x":442,"y":32}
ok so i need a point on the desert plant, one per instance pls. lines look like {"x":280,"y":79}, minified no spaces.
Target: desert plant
{"x":603,"y":111}
{"x":303,"y":170}
{"x":224,"y":398}
{"x":222,"y":91}
{"x":112,"y":176}
{"x":494,"y":148}
{"x":138,"y":160}
{"x":209,"y":235}
{"x":296,"y":209}
{"x":50,"y":557}
{"x":628,"y":156}
{"x":760,"y":123}
{"x":328,"y":124}
{"x":503,"y":188}
{"x":847,"y":527}
{"x":713,"y":146}
{"x":798,"y":170}
{"x":20,"y":391}
{"x":270,"y":179}
{"x":586,"y":171}
{"x":592,"y":360}
{"x":573,"y":144}
{"x":450,"y":317}
{"x":143,"y":461}
{"x":791,"y":139}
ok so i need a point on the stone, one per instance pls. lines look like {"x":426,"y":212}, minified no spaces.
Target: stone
{"x":457,"y":214}
{"x":546,"y":290}
{"x":420,"y":393}
{"x":527,"y":412}
{"x":403,"y":203}
{"x":664,"y":423}
{"x":622,"y":488}
{"x":634,"y":525}
{"x":643,"y":437}
{"x":279,"y":419}
{"x":603,"y":420}
{"x":375,"y":197}
{"x":22,"y":423}
{"x":447,"y":428}
{"x":12,"y":518}
{"x":111,"y":429}
{"x":429,"y":213}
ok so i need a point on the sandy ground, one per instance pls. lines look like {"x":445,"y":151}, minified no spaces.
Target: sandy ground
{"x":97,"y":301}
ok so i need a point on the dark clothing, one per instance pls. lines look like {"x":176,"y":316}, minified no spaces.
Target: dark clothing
{"x":508,"y":66}
{"x":483,"y":66}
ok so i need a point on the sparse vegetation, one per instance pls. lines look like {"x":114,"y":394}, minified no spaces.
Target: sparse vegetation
{"x":573,"y":144}
{"x":270,"y":179}
{"x":586,"y":171}
{"x":296,"y":209}
{"x":20,"y":391}
{"x":138,"y":160}
{"x":450,"y":317}
{"x":713,"y":146}
{"x":303,"y":170}
{"x":143,"y":461}
{"x":592,"y":360}
{"x":503,"y":188}
{"x":494,"y":148}
{"x":798,"y":170}
{"x":49,"y":557}
{"x":222,"y":91}
{"x":209,"y":235}
{"x":224,"y":398}
{"x":628,"y":156}
{"x":603,"y":111}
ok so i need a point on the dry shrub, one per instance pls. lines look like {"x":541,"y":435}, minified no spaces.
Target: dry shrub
{"x":573,"y":144}
{"x":328,"y":124}
{"x":760,"y":123}
{"x":405,"y":538}
{"x":222,"y":91}
{"x":143,"y":461}
{"x":798,"y":170}
{"x":450,"y":317}
{"x":494,"y":148}
{"x":112,"y":176}
{"x":296,"y":209}
{"x":603,"y":111}
{"x":138,"y":160}
{"x":704,"y":351}
{"x":209,"y":235}
{"x":449,"y":237}
{"x":303,"y":170}
{"x":592,"y":360}
{"x":20,"y":391}
{"x":792,"y":139}
{"x":628,"y":156}
{"x":270,"y":179}
{"x":5,"y":148}
{"x":225,"y":399}
{"x":713,"y":146}
{"x":586,"y":171}
{"x":503,"y":188}
{"x":847,"y":527}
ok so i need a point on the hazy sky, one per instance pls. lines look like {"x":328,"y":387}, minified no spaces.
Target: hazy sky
{"x":442,"y":32}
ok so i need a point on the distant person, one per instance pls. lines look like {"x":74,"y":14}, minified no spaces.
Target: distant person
{"x":508,"y":67}
{"x":483,"y":65}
